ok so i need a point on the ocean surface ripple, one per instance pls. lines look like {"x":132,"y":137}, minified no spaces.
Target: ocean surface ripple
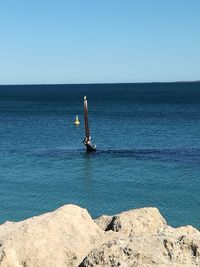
{"x":147,"y":136}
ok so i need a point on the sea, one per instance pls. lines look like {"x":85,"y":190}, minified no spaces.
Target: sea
{"x":148,"y":149}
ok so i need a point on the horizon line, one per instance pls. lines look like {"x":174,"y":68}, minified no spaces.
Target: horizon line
{"x":95,"y":83}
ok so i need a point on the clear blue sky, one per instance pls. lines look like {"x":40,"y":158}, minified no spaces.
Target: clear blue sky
{"x":91,"y":41}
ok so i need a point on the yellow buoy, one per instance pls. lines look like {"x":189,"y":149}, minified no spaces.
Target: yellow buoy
{"x":77,"y":122}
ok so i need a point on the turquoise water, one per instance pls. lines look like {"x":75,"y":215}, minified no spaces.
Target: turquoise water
{"x":148,"y":140}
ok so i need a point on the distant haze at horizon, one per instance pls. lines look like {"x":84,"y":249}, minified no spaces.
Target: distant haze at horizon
{"x":76,"y":42}
{"x":101,"y":83}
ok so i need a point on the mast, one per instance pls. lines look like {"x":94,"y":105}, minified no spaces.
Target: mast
{"x":87,"y":141}
{"x":87,"y":131}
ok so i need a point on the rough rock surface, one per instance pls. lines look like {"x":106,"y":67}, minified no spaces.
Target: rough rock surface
{"x":155,"y":250}
{"x":69,"y":237}
{"x":60,"y":238}
{"x":134,"y":222}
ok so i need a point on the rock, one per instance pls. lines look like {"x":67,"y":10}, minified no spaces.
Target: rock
{"x":182,"y":231}
{"x":134,"y":222}
{"x":104,"y":222}
{"x":69,"y":237}
{"x":142,"y":238}
{"x":59,"y":238}
{"x":145,"y":251}
{"x":2,"y":253}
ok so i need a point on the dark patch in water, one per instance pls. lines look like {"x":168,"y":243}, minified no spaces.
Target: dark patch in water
{"x":191,"y":156}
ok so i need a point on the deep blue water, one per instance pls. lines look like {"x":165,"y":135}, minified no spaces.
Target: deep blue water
{"x":148,"y":140}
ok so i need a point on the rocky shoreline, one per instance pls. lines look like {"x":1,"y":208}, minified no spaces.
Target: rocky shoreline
{"x":69,"y":237}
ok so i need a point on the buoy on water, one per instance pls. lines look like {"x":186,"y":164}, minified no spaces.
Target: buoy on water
{"x":77,"y":122}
